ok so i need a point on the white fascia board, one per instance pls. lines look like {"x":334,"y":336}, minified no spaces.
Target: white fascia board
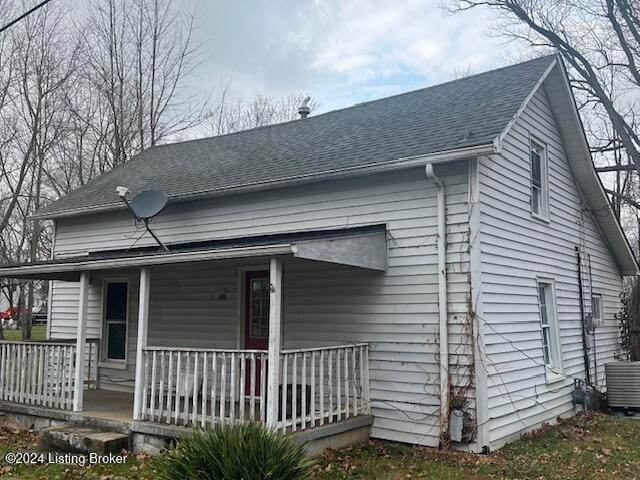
{"x":147,"y":260}
{"x":364,"y":250}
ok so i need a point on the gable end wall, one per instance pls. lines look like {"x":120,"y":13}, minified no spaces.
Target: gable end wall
{"x":515,"y":249}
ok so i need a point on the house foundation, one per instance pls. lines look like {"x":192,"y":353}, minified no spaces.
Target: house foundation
{"x":153,"y":438}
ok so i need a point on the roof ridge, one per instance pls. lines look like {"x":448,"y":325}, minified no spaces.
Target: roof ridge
{"x":357,"y":105}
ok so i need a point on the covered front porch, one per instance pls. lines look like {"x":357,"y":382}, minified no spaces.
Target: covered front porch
{"x":210,"y":364}
{"x":195,"y":387}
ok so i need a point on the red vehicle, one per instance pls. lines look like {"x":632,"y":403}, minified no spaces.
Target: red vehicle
{"x":8,"y":313}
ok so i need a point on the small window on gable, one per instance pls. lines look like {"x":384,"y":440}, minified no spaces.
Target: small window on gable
{"x":596,"y":310}
{"x":550,"y":334}
{"x":539,"y":188}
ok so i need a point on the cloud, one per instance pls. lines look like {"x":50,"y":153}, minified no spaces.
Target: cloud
{"x":340,"y":52}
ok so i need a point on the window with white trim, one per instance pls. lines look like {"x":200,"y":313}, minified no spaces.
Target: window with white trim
{"x":539,"y":193}
{"x":116,"y":301}
{"x":596,"y":310}
{"x":549,"y":326}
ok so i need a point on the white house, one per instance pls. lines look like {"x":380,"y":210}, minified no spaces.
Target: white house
{"x":405,"y":263}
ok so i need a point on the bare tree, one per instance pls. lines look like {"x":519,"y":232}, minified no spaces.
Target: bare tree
{"x":129,"y":89}
{"x":42,"y":63}
{"x":82,"y":92}
{"x":232,"y":115}
{"x":13,"y":169}
{"x":600,"y":43}
{"x":138,"y":57}
{"x":599,"y":40}
{"x":461,"y":72}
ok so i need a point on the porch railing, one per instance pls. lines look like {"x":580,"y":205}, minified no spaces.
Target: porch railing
{"x":42,"y":373}
{"x":323,"y":385}
{"x":200,"y":387}
{"x":188,"y":386}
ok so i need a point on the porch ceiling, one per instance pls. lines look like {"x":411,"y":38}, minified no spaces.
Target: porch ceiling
{"x":364,"y":247}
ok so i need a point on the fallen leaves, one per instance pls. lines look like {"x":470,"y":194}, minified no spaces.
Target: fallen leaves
{"x":593,"y":447}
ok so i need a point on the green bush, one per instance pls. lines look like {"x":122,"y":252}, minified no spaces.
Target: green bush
{"x":244,"y":451}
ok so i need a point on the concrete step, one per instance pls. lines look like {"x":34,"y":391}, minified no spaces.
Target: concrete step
{"x":79,"y":439}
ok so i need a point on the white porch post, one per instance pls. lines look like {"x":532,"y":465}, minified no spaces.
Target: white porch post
{"x":143,"y":321}
{"x":275,"y":340}
{"x":81,"y":342}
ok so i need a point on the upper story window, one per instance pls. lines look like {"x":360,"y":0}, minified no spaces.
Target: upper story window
{"x":539,"y":183}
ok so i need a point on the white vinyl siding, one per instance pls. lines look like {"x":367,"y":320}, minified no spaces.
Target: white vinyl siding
{"x":63,"y":323}
{"x":396,"y":311}
{"x":516,"y":249}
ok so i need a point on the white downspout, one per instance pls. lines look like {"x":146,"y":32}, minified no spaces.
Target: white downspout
{"x":443,"y":334}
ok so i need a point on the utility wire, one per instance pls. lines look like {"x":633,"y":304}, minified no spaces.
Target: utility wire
{"x":24,"y":15}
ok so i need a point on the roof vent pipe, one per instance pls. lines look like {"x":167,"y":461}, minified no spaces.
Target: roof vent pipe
{"x":304,"y":110}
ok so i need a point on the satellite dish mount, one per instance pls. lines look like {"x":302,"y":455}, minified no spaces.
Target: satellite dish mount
{"x":144,"y":207}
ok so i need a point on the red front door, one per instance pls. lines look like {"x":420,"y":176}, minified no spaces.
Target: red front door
{"x":256,"y":320}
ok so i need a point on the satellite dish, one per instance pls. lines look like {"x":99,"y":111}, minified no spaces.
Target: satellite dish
{"x":148,"y":204}
{"x":144,"y":207}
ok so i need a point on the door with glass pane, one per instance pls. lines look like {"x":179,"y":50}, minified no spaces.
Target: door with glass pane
{"x":256,"y":320}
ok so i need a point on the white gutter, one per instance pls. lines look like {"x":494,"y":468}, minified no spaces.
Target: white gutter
{"x":84,"y":264}
{"x":396,"y":164}
{"x":443,"y":333}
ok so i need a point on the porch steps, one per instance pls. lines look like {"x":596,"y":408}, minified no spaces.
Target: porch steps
{"x":83,"y":439}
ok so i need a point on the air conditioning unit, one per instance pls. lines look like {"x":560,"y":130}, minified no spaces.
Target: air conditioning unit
{"x":623,"y":385}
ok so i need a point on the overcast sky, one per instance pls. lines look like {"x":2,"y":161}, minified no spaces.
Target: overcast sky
{"x":340,"y":52}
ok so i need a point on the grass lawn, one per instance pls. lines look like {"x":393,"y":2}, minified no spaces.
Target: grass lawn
{"x":38,"y":332}
{"x":588,"y":447}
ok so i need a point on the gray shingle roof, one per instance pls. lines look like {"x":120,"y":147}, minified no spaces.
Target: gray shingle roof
{"x":462,"y":113}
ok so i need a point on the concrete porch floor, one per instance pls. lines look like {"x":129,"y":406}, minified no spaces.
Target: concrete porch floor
{"x":113,"y":411}
{"x":108,"y":405}
{"x":102,"y":409}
